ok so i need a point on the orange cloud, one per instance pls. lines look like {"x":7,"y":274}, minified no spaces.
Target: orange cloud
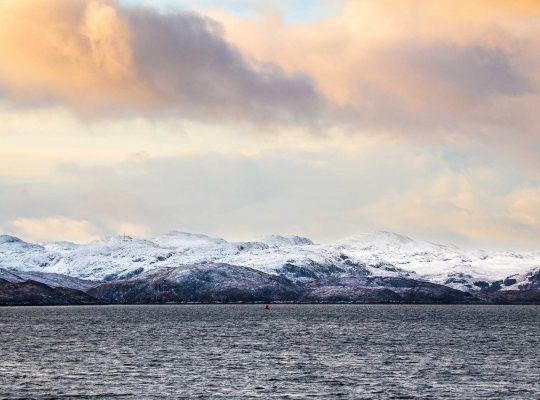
{"x":412,"y":65}
{"x":75,"y":52}
{"x":98,"y":57}
{"x":54,"y":228}
{"x":340,"y":51}
{"x":407,"y":67}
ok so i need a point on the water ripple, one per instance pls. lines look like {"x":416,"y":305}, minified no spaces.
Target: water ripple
{"x":291,"y":352}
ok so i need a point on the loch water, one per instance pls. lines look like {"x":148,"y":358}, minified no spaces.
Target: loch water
{"x":288,"y":352}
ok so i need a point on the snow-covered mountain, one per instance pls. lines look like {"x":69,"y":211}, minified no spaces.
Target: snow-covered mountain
{"x":378,"y":254}
{"x":466,"y":270}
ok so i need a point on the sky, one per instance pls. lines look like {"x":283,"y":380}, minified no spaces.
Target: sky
{"x":245,"y":118}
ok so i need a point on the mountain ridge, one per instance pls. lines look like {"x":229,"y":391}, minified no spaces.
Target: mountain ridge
{"x":358,"y":260}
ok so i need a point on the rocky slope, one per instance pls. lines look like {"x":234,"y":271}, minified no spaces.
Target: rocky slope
{"x":218,"y":282}
{"x":199,"y":283}
{"x":32,"y":293}
{"x":50,"y":279}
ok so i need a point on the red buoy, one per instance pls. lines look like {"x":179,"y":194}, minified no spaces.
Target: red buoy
{"x":267,"y":307}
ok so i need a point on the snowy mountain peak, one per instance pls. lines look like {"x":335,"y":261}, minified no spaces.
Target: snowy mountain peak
{"x":121,"y":240}
{"x":374,"y":254}
{"x":380,"y":238}
{"x":284,"y":241}
{"x":390,"y":241}
{"x":178,"y":239}
{"x":62,"y":246}
{"x":9,"y":239}
{"x":187,"y":235}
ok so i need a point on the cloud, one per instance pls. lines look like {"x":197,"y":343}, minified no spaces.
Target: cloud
{"x":525,"y":207}
{"x":323,"y":192}
{"x":53,"y":228}
{"x":103,"y":59}
{"x":130,"y":229}
{"x":450,"y":210}
{"x":471,"y":70}
{"x":429,"y":110}
{"x":74,"y":53}
{"x":420,"y":69}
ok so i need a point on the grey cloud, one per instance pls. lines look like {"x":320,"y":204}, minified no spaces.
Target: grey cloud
{"x":180,"y":65}
{"x":472,"y":69}
{"x":186,"y":60}
{"x":437,"y":91}
{"x":159,"y":65}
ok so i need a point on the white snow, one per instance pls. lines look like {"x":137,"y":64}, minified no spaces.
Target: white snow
{"x":378,"y":253}
{"x":283,"y":241}
{"x":438,"y":263}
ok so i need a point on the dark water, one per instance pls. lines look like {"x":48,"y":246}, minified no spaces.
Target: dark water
{"x":293,"y":351}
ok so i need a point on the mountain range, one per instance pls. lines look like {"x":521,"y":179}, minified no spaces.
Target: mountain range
{"x":177,"y":267}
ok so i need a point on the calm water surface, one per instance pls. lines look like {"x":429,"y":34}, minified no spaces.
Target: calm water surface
{"x":293,"y":351}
